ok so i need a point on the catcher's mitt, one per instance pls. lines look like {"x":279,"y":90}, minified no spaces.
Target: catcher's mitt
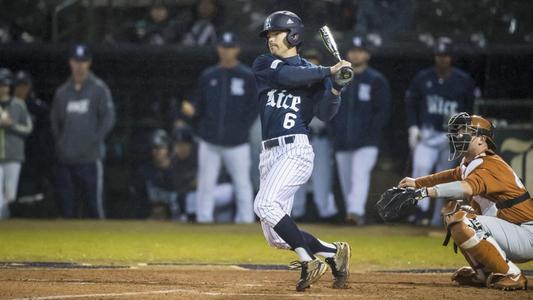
{"x":397,"y":203}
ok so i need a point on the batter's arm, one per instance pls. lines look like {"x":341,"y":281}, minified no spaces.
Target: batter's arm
{"x":328,"y":101}
{"x":276,"y":72}
{"x":292,"y":76}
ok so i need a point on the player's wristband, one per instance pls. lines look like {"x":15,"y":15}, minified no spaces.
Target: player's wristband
{"x":421,"y":193}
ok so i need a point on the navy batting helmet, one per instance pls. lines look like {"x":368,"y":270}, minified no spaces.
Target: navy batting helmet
{"x":285,"y":21}
{"x":6,"y":77}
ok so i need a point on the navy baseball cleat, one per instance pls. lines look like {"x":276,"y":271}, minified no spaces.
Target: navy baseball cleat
{"x":340,"y":265}
{"x":311,"y":272}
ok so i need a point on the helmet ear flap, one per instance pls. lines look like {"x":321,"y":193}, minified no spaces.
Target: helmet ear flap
{"x":293,"y":38}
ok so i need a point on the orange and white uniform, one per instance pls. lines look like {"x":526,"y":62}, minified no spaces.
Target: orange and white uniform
{"x":503,"y":205}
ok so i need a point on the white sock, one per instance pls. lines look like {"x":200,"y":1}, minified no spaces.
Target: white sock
{"x":325,"y":254}
{"x":302,"y":253}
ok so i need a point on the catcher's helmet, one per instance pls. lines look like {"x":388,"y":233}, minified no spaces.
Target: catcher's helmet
{"x":6,"y":77}
{"x":285,"y":21}
{"x":462,"y":127}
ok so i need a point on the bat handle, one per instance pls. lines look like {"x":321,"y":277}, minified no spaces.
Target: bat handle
{"x":346,"y":73}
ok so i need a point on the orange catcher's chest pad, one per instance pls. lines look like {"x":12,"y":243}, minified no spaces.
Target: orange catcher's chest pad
{"x":492,"y":179}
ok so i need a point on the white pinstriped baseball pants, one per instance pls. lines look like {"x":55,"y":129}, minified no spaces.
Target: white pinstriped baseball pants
{"x":283,"y":169}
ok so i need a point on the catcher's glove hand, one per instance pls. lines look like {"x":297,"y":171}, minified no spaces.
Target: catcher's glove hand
{"x":396,"y":203}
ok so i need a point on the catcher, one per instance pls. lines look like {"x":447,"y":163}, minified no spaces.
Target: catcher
{"x":496,"y":231}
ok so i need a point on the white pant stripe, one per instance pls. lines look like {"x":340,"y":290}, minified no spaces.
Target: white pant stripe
{"x":99,"y":189}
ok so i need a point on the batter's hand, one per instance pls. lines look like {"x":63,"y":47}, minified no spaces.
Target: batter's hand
{"x":407,"y":182}
{"x":336,"y":68}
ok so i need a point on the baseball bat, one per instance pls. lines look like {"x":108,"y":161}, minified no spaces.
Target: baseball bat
{"x":331,"y":45}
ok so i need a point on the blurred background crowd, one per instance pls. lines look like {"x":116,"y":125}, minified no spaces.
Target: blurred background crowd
{"x":146,"y":109}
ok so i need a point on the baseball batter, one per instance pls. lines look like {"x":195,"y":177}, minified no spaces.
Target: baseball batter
{"x":291,"y":91}
{"x":497,"y":229}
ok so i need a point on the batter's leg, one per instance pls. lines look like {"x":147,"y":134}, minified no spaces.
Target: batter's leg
{"x":208,"y":170}
{"x":273,"y":202}
{"x":300,"y":202}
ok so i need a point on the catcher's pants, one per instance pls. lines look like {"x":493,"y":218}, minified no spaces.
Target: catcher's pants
{"x":355,"y":168}
{"x":320,"y":180}
{"x":237,"y":162}
{"x":9,"y":177}
{"x":429,"y":156}
{"x":283,"y":169}
{"x":515,"y":240}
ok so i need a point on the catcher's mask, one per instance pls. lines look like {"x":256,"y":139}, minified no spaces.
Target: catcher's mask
{"x":462,"y":127}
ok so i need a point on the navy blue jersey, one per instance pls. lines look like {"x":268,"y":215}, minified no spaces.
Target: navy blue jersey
{"x":291,"y":91}
{"x":364,"y":111}
{"x":226,"y":105}
{"x":431,"y":101}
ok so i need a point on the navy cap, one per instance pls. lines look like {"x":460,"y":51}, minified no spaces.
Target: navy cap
{"x":443,"y":46}
{"x":6,"y":77}
{"x":22,"y":77}
{"x":81,"y":52}
{"x":228,"y":40}
{"x":359,"y":42}
{"x":183,"y":134}
{"x":159,"y":139}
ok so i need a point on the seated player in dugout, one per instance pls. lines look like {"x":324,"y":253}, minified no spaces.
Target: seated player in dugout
{"x":496,"y":230}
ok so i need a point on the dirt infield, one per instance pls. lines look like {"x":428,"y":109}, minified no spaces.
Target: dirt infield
{"x":225,"y":282}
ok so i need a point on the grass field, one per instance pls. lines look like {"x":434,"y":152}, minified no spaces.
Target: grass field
{"x":132,"y":242}
{"x":165,"y":260}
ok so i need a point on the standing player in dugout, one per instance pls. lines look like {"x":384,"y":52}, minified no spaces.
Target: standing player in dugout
{"x":291,"y":91}
{"x":496,"y":230}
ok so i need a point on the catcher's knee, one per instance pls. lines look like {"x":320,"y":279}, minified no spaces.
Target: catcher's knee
{"x":465,"y":230}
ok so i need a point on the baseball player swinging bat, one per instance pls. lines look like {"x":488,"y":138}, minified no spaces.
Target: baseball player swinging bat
{"x":346,"y":73}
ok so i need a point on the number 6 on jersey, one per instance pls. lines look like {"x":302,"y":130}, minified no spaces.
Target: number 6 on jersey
{"x":289,"y":120}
